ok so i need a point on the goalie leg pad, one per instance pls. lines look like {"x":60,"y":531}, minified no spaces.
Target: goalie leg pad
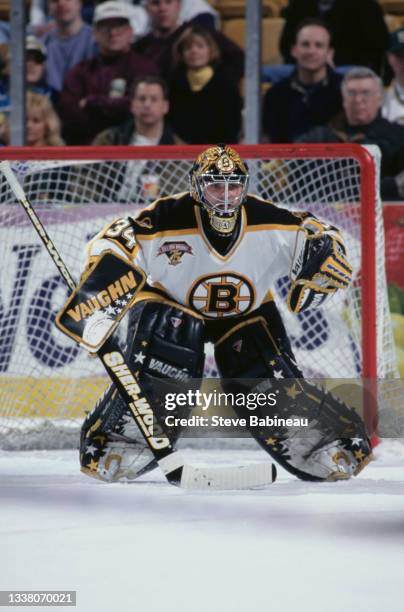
{"x":167,"y":348}
{"x":333,"y":446}
{"x":111,"y":445}
{"x":168,"y":341}
{"x":164,"y":341}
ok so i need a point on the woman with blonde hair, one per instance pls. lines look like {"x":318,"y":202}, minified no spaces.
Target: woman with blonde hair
{"x":43,"y":126}
{"x":205,"y":103}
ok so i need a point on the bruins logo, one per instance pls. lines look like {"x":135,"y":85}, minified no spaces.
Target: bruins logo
{"x":224,"y":159}
{"x":225,"y":164}
{"x":224,"y":295}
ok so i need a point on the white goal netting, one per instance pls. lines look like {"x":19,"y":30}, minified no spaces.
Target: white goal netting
{"x":47,"y":383}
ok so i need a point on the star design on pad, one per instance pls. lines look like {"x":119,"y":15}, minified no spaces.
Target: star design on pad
{"x":90,"y":450}
{"x":92,"y":465}
{"x":139,"y":357}
{"x":357,"y":441}
{"x":292,"y":391}
{"x":271,"y":441}
{"x":110,"y":310}
{"x":278,"y":374}
{"x":359,"y":454}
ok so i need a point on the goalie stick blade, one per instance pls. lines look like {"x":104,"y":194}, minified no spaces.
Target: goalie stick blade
{"x":228,"y":478}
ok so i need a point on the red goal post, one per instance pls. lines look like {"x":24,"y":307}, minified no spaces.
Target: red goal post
{"x":77,"y":189}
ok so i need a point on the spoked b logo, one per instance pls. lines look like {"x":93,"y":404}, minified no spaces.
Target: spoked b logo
{"x":221,"y":295}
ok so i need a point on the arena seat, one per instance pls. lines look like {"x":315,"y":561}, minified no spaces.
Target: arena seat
{"x":271,"y":31}
{"x":230,"y":9}
{"x":393,"y":22}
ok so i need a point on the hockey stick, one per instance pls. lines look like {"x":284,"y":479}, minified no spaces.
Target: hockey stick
{"x":170,"y":461}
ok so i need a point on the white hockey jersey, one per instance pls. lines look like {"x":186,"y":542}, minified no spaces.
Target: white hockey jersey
{"x":168,"y":241}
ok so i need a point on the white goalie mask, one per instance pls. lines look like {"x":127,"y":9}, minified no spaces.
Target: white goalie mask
{"x":219,"y":182}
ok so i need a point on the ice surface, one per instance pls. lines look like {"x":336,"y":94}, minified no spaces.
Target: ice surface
{"x":148,"y":546}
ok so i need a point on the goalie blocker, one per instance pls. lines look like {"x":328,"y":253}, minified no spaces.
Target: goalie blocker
{"x":105,"y":293}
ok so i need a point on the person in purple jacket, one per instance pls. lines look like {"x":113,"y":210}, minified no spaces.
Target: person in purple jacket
{"x":95,"y":95}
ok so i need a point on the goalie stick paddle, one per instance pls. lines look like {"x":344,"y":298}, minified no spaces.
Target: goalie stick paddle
{"x":168,"y":458}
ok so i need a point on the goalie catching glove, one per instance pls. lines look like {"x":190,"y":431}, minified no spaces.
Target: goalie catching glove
{"x":319,"y":266}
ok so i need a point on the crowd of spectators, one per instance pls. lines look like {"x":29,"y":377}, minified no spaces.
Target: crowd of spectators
{"x":162,"y":72}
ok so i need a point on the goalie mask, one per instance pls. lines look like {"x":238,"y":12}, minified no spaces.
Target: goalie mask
{"x":219,"y":182}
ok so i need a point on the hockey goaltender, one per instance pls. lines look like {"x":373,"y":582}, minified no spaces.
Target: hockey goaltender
{"x":211,"y":257}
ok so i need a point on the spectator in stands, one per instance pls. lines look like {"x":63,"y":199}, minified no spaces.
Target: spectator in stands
{"x":393,"y":107}
{"x":34,"y":72}
{"x":166,"y":28}
{"x":200,"y":11}
{"x":147,"y":126}
{"x":95,"y":95}
{"x":205,"y":104}
{"x":311,"y":96}
{"x":43,"y":124}
{"x":69,"y":42}
{"x":143,"y":180}
{"x":35,"y":66}
{"x":362,"y":94}
{"x":359,"y":32}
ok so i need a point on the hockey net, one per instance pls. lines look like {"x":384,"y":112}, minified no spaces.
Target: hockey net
{"x":47,"y":383}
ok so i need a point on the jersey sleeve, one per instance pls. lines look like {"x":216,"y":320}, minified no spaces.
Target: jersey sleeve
{"x":120,"y":237}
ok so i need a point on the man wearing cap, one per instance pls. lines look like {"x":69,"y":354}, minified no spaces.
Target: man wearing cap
{"x":35,"y":53}
{"x":95,"y":95}
{"x":35,"y":66}
{"x":393,"y":106}
{"x":69,"y":42}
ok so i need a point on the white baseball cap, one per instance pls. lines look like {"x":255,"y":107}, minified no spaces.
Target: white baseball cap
{"x":34,"y":44}
{"x":112,"y":9}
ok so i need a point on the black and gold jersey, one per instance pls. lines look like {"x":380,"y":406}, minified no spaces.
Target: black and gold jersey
{"x":169,"y":242}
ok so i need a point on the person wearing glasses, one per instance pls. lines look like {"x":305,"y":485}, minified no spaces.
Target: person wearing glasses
{"x":95,"y":95}
{"x":361,"y":122}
